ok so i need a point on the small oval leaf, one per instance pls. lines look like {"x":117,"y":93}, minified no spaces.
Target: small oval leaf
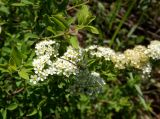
{"x":92,"y":29}
{"x":12,"y":106}
{"x":33,"y":112}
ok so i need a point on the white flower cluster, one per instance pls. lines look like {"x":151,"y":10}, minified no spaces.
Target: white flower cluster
{"x":100,"y":51}
{"x":146,"y":70}
{"x":44,"y":51}
{"x":47,"y":48}
{"x":67,"y":64}
{"x":47,"y":62}
{"x":119,"y":60}
{"x":137,"y":57}
{"x":154,"y":50}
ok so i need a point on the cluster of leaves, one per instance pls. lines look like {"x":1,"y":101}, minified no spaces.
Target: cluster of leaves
{"x":25,"y":22}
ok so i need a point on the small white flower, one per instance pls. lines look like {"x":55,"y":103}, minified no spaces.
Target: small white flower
{"x":146,"y":70}
{"x":33,"y":79}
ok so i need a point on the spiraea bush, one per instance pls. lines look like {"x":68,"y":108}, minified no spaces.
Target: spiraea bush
{"x":46,"y":73}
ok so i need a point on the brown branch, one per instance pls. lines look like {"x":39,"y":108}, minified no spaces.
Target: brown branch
{"x":17,"y":91}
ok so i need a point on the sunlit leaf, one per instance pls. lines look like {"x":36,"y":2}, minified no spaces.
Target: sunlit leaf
{"x":92,"y":29}
{"x":12,"y":106}
{"x":4,"y":9}
{"x":33,"y":112}
{"x":74,"y":41}
{"x":23,"y":74}
{"x":4,"y":113}
{"x":60,"y":21}
{"x":18,"y":4}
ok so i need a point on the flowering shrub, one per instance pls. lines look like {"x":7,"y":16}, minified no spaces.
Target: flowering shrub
{"x":46,"y":71}
{"x":139,"y":58}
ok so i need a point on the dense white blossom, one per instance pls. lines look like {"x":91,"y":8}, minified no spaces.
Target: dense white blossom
{"x":136,"y":57}
{"x":65,"y":67}
{"x":91,"y":48}
{"x":73,"y":55}
{"x":154,"y":50}
{"x":67,"y":64}
{"x":119,"y":60}
{"x":44,"y":66}
{"x":100,"y":51}
{"x":47,"y":48}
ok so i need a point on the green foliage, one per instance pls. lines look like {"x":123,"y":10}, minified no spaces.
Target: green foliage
{"x":23,"y":23}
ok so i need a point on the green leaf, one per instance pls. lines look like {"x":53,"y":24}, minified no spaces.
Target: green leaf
{"x":60,"y":21}
{"x":12,"y":65}
{"x":3,"y":67}
{"x":23,"y":73}
{"x":26,"y":2}
{"x":74,"y":41}
{"x":30,"y":35}
{"x":84,"y":16}
{"x":141,"y":97}
{"x":16,"y":56}
{"x":4,"y":113}
{"x":91,"y":19}
{"x":12,"y":106}
{"x":139,"y":90}
{"x":4,"y":9}
{"x":61,"y":85}
{"x":21,"y":113}
{"x":83,"y":98}
{"x":18,"y":4}
{"x":41,"y":103}
{"x":18,"y":83}
{"x":33,"y":112}
{"x":92,"y":29}
{"x":49,"y":28}
{"x":40,"y":114}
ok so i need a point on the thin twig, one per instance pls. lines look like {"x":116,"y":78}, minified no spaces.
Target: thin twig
{"x":68,"y":61}
{"x":70,"y":8}
{"x":55,"y":36}
{"x":17,"y":91}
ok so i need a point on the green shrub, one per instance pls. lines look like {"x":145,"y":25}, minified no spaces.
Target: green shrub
{"x":44,"y":73}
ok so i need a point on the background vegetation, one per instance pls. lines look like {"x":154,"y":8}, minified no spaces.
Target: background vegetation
{"x":119,"y":24}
